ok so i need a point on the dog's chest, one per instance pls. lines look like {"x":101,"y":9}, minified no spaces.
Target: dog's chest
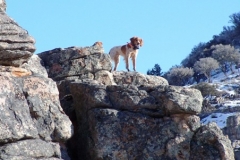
{"x":129,"y":52}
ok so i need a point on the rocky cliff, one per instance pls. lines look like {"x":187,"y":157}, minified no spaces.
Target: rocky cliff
{"x":119,"y":115}
{"x":32,"y":122}
{"x":128,"y":115}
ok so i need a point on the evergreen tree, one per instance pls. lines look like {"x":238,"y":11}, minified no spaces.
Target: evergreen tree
{"x":155,"y":71}
{"x":235,"y":20}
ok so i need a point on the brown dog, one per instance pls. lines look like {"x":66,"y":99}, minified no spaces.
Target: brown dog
{"x":130,"y":50}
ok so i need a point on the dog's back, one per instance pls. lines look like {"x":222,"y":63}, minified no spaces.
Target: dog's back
{"x":115,"y":51}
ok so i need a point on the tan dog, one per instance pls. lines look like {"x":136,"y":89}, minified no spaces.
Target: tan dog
{"x":130,"y":50}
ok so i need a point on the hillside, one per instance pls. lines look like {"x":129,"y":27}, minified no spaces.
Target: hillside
{"x":224,"y":110}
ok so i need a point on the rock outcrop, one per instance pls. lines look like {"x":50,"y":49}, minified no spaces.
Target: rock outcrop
{"x":16,"y":46}
{"x":128,"y":115}
{"x":30,"y":115}
{"x":129,"y":122}
{"x":32,"y":122}
{"x":75,"y":62}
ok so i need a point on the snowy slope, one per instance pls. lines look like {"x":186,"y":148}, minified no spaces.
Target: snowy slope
{"x":227,"y":84}
{"x":219,"y":118}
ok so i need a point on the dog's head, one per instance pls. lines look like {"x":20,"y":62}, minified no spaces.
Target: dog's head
{"x":136,"y":42}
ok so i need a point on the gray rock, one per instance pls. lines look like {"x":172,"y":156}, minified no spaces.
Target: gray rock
{"x":43,"y":101}
{"x":179,"y":99}
{"x":210,"y":143}
{"x":30,"y":109}
{"x":114,"y":134}
{"x":130,"y":122}
{"x":75,"y":62}
{"x":36,"y":66}
{"x":16,"y":46}
{"x":15,"y":119}
{"x":30,"y":149}
{"x":159,"y":101}
{"x":138,"y":79}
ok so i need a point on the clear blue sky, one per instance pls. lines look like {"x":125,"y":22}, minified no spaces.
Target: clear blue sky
{"x":170,"y":29}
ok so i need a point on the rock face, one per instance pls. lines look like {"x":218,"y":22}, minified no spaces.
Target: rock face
{"x":32,"y":122}
{"x":31,"y":116}
{"x":16,"y":46}
{"x":129,"y":122}
{"x":128,"y":115}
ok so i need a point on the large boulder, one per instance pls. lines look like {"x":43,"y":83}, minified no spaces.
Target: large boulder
{"x":130,"y":122}
{"x":210,"y":143}
{"x":75,"y":62}
{"x":116,"y":134}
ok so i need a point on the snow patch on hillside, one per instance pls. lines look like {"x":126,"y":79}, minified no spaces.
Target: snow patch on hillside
{"x":219,"y":118}
{"x":228,"y":85}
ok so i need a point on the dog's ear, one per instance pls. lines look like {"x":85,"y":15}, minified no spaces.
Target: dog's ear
{"x":131,"y":39}
{"x":141,"y":42}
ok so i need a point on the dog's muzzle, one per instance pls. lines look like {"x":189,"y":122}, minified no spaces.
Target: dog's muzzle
{"x":136,"y":47}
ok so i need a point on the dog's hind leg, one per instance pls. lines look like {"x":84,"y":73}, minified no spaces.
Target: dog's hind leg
{"x":116,"y":62}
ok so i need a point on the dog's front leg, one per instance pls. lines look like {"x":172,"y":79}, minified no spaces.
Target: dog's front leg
{"x":134,"y":63}
{"x":127,"y":64}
